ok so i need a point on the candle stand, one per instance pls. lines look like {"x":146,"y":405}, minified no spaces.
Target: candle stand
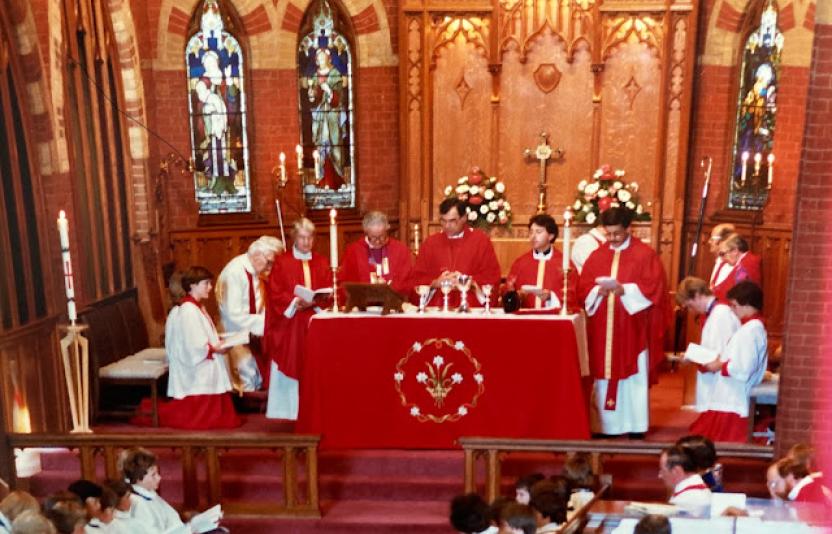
{"x":75,"y":352}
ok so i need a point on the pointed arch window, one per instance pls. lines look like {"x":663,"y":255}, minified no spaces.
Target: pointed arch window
{"x":325,"y":102}
{"x":217,"y":108}
{"x":753,"y":157}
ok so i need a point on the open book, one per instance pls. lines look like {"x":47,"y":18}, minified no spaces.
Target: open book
{"x":698,"y":354}
{"x":532,"y":290}
{"x":607,"y":282}
{"x":309,"y":295}
{"x":233,"y":339}
{"x":207,"y":520}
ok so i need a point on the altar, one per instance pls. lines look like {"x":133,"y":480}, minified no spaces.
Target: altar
{"x":424,"y":380}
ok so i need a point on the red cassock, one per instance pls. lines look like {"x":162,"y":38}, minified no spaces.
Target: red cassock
{"x":524,"y":272}
{"x":356,"y":266}
{"x":748,"y":267}
{"x":638,"y":264}
{"x":284,"y":338}
{"x":471,"y":254}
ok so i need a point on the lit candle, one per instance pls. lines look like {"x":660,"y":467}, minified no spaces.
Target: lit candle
{"x":299,"y":154}
{"x":317,"y":157}
{"x":283,"y":167}
{"x":333,"y":239}
{"x":744,"y":166}
{"x":69,"y":282}
{"x":770,"y":169}
{"x":567,"y":231}
{"x":757,"y":159}
{"x":416,"y":238}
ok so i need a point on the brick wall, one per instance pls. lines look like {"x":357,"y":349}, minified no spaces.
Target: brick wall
{"x":805,"y":410}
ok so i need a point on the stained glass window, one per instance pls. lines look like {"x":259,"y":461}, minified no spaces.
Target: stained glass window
{"x":217,"y":106}
{"x":326,"y":89}
{"x":753,"y":159}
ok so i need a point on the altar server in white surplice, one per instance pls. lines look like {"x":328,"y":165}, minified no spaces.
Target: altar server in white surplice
{"x":718,"y":324}
{"x":678,"y":472}
{"x":586,"y":244}
{"x":243,"y":309}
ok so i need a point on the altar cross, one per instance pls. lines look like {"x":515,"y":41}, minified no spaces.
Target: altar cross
{"x":543,"y":153}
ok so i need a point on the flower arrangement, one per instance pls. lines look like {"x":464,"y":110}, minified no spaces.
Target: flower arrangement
{"x":607,"y":189}
{"x":486,"y":198}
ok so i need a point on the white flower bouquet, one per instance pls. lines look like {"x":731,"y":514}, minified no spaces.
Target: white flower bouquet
{"x":486,"y":199}
{"x":607,"y":189}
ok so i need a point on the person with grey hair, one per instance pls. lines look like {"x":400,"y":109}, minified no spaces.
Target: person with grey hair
{"x":378,"y":258}
{"x":242,"y":306}
{"x":287,"y":317}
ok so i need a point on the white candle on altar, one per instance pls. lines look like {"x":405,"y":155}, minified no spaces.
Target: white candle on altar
{"x":66,"y":260}
{"x":770,"y":169}
{"x":567,"y":234}
{"x":758,"y":158}
{"x":317,"y":157}
{"x":299,"y":154}
{"x":333,"y":239}
{"x":744,"y":166}
{"x":283,"y":167}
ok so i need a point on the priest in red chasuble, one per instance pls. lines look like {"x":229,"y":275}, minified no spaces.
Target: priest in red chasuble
{"x":287,"y":317}
{"x":457,"y":249}
{"x":542,"y":267}
{"x":378,"y":258}
{"x":623,"y":288}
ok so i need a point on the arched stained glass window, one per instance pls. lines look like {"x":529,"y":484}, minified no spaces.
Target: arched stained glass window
{"x":326,"y":95}
{"x":217,"y":106}
{"x":753,"y":158}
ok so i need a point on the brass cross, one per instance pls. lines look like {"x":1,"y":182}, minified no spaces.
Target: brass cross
{"x":544,"y":153}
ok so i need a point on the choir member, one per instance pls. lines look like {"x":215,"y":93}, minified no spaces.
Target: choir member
{"x":586,"y":244}
{"x":737,"y":369}
{"x":623,"y":288}
{"x":719,"y":234}
{"x":242,"y":308}
{"x":198,"y":382}
{"x":458,"y":249}
{"x":14,"y":504}
{"x":378,"y":258}
{"x":287,"y":317}
{"x":799,"y":484}
{"x":741,"y":264}
{"x":542,"y":267}
{"x":679,"y":473}
{"x":719,"y":324}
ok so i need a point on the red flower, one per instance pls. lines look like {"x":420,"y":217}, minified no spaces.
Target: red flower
{"x":476,"y":200}
{"x":604,"y":204}
{"x":475,"y":179}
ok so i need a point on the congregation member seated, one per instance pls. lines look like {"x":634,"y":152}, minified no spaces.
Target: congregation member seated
{"x":582,"y":481}
{"x":542,"y":268}
{"x":378,"y":258}
{"x":737,"y":369}
{"x":123,"y":521}
{"x":517,"y":519}
{"x":523,"y":487}
{"x":799,"y":485}
{"x":653,"y":524}
{"x":14,"y":504}
{"x":548,"y":502}
{"x":31,"y":522}
{"x":804,"y":453}
{"x":741,"y":265}
{"x":703,"y":453}
{"x":470,"y":514}
{"x":287,"y":317}
{"x":103,"y":520}
{"x":199,"y":383}
{"x":65,"y":511}
{"x":679,"y":474}
{"x":90,"y":495}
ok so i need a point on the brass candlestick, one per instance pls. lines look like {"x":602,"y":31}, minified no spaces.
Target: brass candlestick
{"x":335,"y":290}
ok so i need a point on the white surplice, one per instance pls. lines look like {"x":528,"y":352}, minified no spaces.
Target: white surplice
{"x":720,"y":325}
{"x":692,"y":495}
{"x":152,"y":510}
{"x":585,"y":245}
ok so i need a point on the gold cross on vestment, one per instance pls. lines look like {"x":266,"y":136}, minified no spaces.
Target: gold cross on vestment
{"x":544,"y":153}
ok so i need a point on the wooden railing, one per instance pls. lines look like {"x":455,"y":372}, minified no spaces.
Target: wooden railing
{"x":491,"y":450}
{"x":192,"y":447}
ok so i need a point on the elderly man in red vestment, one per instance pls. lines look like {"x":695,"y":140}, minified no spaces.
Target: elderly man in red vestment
{"x":287,"y":317}
{"x":623,"y":288}
{"x":458,"y":249}
{"x":542,"y":267}
{"x":740,"y":264}
{"x":378,"y":258}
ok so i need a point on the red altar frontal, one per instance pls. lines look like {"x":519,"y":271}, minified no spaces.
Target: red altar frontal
{"x":412,"y":381}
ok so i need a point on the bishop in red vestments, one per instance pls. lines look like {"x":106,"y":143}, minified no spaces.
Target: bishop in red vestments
{"x":378,"y":258}
{"x":542,"y":267}
{"x":623,"y":288}
{"x":456,"y":250}
{"x":287,"y":317}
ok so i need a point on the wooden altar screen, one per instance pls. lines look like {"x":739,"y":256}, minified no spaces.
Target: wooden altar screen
{"x":609,"y":80}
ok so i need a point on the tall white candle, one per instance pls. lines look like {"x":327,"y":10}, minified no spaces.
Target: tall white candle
{"x":333,"y":239}
{"x":567,"y":234}
{"x":758,"y":158}
{"x":299,"y":154}
{"x":744,"y":166}
{"x":770,"y":169}
{"x":283,"y":167}
{"x":316,"y":156}
{"x":66,"y":261}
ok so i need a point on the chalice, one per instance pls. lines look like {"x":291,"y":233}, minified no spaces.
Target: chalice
{"x":423,"y":292}
{"x":445,"y":286}
{"x":486,"y":291}
{"x":464,"y":284}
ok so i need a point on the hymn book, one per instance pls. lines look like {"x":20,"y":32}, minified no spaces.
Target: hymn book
{"x":207,"y":520}
{"x":309,"y":295}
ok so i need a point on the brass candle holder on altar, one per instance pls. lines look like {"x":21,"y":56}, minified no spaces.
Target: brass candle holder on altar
{"x":567,"y":264}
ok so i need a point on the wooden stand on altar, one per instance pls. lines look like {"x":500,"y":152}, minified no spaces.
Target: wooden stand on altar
{"x":75,"y":350}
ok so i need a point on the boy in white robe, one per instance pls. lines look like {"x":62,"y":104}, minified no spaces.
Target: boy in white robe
{"x":678,"y":472}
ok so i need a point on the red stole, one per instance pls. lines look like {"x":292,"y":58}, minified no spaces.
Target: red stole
{"x":357,"y":267}
{"x":524,"y":271}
